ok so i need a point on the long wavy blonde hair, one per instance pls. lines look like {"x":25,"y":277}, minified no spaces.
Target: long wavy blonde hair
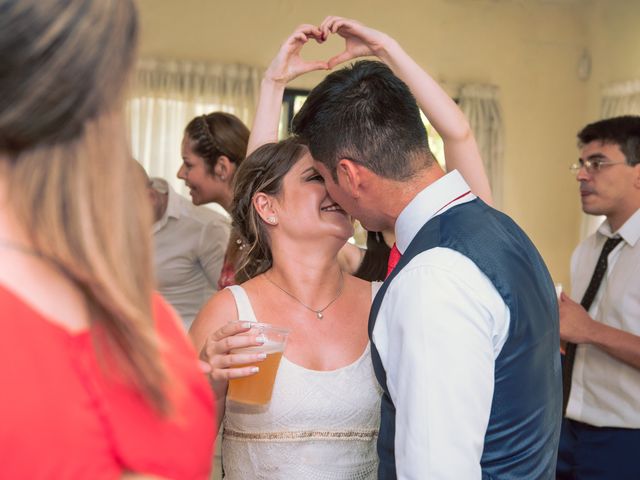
{"x":65,"y":65}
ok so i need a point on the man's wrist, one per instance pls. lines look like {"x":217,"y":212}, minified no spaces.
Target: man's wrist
{"x":593,"y":332}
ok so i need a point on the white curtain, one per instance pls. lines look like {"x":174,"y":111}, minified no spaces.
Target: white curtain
{"x":166,"y":95}
{"x":481,"y":105}
{"x":617,"y":99}
{"x":621,"y":99}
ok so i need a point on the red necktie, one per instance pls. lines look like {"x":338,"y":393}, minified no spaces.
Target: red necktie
{"x":395,"y":255}
{"x":394,"y":258}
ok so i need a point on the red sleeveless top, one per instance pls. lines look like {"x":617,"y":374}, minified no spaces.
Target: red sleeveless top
{"x":64,"y":416}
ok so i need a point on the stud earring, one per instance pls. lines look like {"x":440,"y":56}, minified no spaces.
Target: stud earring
{"x":223,"y":178}
{"x":272,"y":220}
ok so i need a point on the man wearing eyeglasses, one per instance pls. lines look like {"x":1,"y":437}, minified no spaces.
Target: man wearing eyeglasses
{"x":601,"y":372}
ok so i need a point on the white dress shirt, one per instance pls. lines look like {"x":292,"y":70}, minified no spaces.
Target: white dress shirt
{"x":190,"y":243}
{"x":605,"y":392}
{"x":439,"y":330}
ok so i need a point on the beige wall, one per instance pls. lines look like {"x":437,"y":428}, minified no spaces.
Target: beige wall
{"x":529,"y":48}
{"x":615,"y":46}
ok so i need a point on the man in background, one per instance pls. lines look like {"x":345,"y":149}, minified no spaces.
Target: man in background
{"x":190,"y":243}
{"x":601,"y":371}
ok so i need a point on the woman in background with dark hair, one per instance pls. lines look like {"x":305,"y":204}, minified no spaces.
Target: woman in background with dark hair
{"x":98,"y":379}
{"x":213,"y":147}
{"x":374,"y":261}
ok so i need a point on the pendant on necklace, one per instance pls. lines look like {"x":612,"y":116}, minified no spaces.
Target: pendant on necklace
{"x":319,"y":315}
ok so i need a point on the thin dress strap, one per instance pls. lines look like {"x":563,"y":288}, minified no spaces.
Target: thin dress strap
{"x":243,"y":305}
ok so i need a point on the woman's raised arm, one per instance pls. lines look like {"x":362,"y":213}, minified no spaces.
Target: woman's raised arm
{"x":286,"y":66}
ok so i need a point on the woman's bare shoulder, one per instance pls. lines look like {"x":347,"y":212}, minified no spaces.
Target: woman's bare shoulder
{"x":219,"y":310}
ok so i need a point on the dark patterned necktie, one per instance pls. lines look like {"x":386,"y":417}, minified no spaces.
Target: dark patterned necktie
{"x":587,"y":300}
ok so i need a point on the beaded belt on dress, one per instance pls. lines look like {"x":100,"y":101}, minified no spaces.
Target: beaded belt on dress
{"x":358,"y":435}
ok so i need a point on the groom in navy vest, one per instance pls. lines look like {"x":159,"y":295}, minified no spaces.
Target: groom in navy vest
{"x":464,"y":330}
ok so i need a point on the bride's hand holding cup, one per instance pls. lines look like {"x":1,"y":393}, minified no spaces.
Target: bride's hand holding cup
{"x":218,"y":353}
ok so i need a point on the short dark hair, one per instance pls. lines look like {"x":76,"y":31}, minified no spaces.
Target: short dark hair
{"x":623,"y":131}
{"x":368,"y":115}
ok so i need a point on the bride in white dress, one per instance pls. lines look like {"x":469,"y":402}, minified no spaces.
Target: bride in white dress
{"x":322,"y":420}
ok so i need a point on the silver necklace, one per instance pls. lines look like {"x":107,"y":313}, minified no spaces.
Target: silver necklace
{"x":319,"y":312}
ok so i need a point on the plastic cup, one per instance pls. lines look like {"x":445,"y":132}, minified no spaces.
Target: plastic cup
{"x":257,"y":389}
{"x":558,"y":290}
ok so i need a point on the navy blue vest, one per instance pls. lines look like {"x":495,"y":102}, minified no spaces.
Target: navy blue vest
{"x":521,"y":441}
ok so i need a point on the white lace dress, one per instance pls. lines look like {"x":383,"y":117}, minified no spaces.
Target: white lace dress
{"x":319,"y":425}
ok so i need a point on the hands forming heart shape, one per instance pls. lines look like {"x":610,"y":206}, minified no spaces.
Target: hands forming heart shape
{"x":360,"y":41}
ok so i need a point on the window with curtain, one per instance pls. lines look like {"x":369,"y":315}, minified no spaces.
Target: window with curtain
{"x":621,"y":99}
{"x":168,"y":94}
{"x":481,"y":105}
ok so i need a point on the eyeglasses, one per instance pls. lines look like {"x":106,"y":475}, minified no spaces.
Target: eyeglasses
{"x":592,"y":166}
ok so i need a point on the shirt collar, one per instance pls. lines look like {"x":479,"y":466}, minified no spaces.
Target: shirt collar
{"x":629,"y":231}
{"x":173,"y":206}
{"x":433,"y":200}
